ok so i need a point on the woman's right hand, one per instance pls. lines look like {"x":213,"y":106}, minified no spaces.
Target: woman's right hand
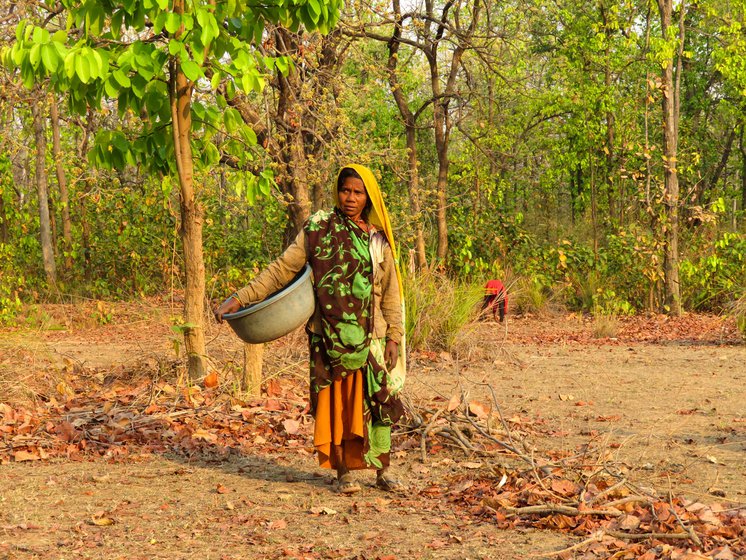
{"x":231,"y":305}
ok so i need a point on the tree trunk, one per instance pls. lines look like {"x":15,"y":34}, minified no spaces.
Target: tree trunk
{"x":441,"y":104}
{"x":42,"y":190}
{"x":180,"y":91}
{"x":670,"y":106}
{"x":720,"y":167}
{"x":293,"y":153}
{"x":62,"y":183}
{"x":411,"y":136}
{"x":251,"y":381}
{"x":742,"y":149}
{"x":610,"y":123}
{"x":85,"y":226}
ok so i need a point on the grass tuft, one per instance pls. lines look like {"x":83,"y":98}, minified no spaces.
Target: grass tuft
{"x":438,"y":309}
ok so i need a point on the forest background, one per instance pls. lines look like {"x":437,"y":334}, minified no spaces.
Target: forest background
{"x":591,"y":154}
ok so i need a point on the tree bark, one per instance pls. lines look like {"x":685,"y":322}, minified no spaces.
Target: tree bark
{"x":290,"y":117}
{"x":180,"y":92}
{"x":42,"y":190}
{"x":670,"y":106}
{"x":441,"y":104}
{"x":720,"y":167}
{"x":62,"y":183}
{"x":411,"y":136}
{"x":610,"y":122}
{"x":742,"y":149}
{"x":251,"y":381}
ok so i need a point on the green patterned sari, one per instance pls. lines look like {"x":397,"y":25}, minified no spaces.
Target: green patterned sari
{"x":343,"y":283}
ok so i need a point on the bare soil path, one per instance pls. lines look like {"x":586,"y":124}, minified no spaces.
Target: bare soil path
{"x":664,"y":404}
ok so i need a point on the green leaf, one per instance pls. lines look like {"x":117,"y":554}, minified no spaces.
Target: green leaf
{"x":49,"y":57}
{"x":34,"y":56}
{"x":199,"y":110}
{"x":70,"y":64}
{"x":191,"y":70}
{"x":248,"y":135}
{"x":111,"y":87}
{"x":173,"y":22}
{"x":315,"y":9}
{"x":231,"y":119}
{"x":82,"y":69}
{"x":175,"y":47}
{"x":117,"y":19}
{"x":20,"y":29}
{"x":121,"y":78}
{"x":138,"y":85}
{"x":215,"y":80}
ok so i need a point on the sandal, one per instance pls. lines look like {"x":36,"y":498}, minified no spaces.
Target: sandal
{"x":389,"y":484}
{"x":347,"y":485}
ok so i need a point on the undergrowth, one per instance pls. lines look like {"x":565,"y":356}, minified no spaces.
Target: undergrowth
{"x":438,"y":308}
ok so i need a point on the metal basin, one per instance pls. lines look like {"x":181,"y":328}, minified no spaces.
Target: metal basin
{"x":277,"y":315}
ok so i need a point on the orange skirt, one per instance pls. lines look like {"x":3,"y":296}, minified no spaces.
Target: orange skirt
{"x":340,"y":422}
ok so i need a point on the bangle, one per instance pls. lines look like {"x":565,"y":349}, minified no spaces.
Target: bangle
{"x":234,"y":295}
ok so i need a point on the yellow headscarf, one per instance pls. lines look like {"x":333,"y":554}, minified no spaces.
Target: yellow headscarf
{"x":378,"y":215}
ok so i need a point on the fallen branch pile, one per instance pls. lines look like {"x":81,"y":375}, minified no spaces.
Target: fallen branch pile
{"x":575,"y":495}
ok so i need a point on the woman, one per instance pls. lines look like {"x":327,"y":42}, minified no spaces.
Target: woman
{"x":357,"y":365}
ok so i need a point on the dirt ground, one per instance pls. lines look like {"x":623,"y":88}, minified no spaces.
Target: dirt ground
{"x":662,"y":404}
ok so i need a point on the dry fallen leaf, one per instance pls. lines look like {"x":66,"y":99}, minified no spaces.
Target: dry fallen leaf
{"x":478,"y":409}
{"x":470,"y":465}
{"x":205,"y":435}
{"x":322,"y":511}
{"x":102,"y":521}
{"x":277,"y":525}
{"x":220,"y":489}
{"x":23,"y":455}
{"x":454,"y":403}
{"x":211,"y":380}
{"x":291,"y":426}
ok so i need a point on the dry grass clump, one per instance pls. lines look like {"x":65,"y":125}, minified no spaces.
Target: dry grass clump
{"x":739,"y":312}
{"x":438,"y":309}
{"x":530,"y":295}
{"x":605,"y":326}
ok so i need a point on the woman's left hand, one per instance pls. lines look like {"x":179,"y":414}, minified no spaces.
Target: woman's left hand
{"x":391,"y":354}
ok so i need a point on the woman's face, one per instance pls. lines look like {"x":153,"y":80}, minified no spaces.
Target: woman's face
{"x":353,"y":198}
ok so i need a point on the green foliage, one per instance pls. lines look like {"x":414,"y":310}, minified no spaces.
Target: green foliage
{"x":716,"y":274}
{"x":132,"y":51}
{"x":11,"y":286}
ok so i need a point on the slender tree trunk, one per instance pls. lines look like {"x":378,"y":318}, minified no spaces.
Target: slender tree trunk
{"x":42,"y":190}
{"x":720,"y":167}
{"x":3,"y":221}
{"x":610,"y":122}
{"x":594,"y":203}
{"x":670,"y":106}
{"x":441,"y":104}
{"x":85,"y":226}
{"x":67,"y":235}
{"x":442,"y":134}
{"x":251,"y":381}
{"x":742,"y":149}
{"x":180,"y":90}
{"x":411,"y":136}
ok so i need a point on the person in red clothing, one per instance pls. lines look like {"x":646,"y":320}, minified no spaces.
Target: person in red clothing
{"x":496,"y":299}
